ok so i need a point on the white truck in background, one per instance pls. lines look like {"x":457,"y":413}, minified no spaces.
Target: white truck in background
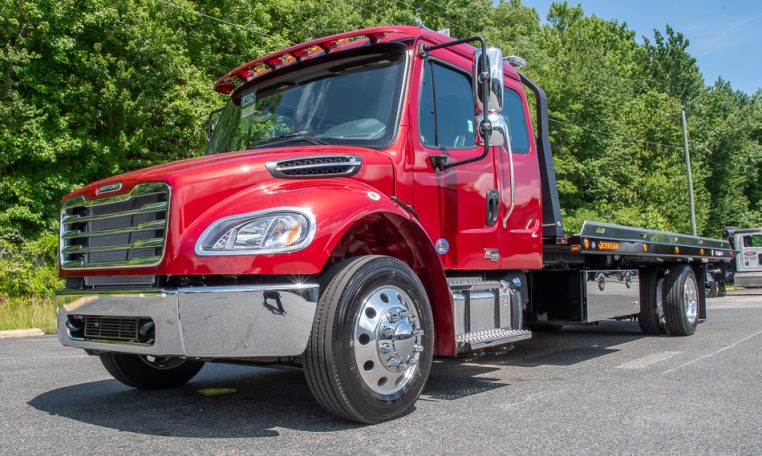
{"x":746,"y":270}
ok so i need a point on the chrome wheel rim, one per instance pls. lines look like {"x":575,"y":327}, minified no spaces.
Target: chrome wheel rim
{"x":162,"y":362}
{"x":387,"y":340}
{"x":690,"y":300}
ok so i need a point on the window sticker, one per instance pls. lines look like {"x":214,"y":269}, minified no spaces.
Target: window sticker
{"x":470,"y":126}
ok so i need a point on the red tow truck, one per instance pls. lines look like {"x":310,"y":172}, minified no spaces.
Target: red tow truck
{"x":367,"y":201}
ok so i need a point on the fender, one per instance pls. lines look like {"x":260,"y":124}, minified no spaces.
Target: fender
{"x":338,"y":206}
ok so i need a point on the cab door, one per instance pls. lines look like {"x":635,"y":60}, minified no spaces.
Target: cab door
{"x":458,"y":206}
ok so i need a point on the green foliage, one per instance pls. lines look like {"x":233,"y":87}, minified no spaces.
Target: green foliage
{"x":29,"y":269}
{"x":92,"y":88}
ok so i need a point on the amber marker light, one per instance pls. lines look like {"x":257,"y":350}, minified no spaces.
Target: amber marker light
{"x":701,"y":251}
{"x":587,"y":243}
{"x":677,"y":249}
{"x":575,"y":248}
{"x":645,"y":248}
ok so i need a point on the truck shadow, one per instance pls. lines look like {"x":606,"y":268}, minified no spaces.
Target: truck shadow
{"x":226,"y":401}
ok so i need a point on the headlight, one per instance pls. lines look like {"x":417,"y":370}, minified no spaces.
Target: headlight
{"x":269,"y":231}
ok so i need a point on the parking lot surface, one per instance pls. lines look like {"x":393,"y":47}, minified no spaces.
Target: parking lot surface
{"x":605,"y":389}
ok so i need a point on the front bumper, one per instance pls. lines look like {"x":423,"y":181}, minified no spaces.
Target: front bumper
{"x":199,"y":322}
{"x":748,"y":279}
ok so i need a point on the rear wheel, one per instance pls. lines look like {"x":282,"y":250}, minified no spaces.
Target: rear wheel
{"x":681,"y":299}
{"x":150,"y":372}
{"x":651,"y":317}
{"x":371,"y":346}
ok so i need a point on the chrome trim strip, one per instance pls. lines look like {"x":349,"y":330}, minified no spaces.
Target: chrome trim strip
{"x":145,"y":209}
{"x":143,"y":189}
{"x":138,"y":190}
{"x":250,"y":288}
{"x":302,"y":245}
{"x":154,"y":225}
{"x":140,"y":244}
{"x":131,"y":263}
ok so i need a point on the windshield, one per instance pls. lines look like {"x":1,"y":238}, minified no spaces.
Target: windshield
{"x":345,"y":100}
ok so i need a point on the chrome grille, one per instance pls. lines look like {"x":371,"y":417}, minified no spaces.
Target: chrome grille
{"x":119,"y":231}
{"x":316,"y":166}
{"x":111,"y":328}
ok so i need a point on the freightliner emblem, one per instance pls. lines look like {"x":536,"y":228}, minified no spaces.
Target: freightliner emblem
{"x":108,"y":188}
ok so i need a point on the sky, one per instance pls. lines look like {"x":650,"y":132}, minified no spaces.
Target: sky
{"x":725,"y":35}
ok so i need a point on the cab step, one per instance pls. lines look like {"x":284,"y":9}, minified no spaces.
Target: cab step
{"x":490,"y":338}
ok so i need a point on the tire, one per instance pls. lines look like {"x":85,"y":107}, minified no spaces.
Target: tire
{"x":681,"y":300}
{"x":651,"y":317}
{"x":150,"y":373}
{"x":371,"y":346}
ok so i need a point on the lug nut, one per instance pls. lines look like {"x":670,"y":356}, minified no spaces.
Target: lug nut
{"x":394,"y":316}
{"x":418,"y":332}
{"x":412,"y":318}
{"x":402,"y":367}
{"x":418,"y":348}
{"x":385,"y":348}
{"x":392,"y":362}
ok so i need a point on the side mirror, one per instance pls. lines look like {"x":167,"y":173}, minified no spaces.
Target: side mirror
{"x":489,"y":73}
{"x":492,"y":76}
{"x":211,"y":122}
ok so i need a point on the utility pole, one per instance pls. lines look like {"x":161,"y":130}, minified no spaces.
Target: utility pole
{"x":690,"y":175}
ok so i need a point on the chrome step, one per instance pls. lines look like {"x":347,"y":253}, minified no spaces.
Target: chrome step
{"x":490,"y":338}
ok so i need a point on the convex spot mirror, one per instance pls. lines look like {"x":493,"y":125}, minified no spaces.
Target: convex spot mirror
{"x":492,"y":126}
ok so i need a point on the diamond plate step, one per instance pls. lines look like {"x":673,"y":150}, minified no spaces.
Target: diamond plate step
{"x":490,"y":338}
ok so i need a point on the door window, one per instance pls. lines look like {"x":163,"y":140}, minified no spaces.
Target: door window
{"x":446,"y":111}
{"x":513,"y":110}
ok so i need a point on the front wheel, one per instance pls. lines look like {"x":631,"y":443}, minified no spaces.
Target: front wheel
{"x":371,"y":346}
{"x":150,"y":372}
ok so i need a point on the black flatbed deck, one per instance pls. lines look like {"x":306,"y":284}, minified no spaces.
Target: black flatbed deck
{"x":630,"y":245}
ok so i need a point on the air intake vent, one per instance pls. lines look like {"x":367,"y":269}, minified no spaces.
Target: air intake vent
{"x":316,"y":166}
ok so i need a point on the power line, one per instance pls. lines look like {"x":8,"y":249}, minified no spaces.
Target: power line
{"x":287,"y":42}
{"x":216,"y":19}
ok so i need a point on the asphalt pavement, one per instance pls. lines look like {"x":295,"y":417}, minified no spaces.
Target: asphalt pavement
{"x":586,"y":390}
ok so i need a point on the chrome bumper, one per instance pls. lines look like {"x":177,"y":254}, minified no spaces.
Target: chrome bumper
{"x":202,"y":322}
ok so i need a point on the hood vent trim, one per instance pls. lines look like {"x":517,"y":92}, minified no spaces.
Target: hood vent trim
{"x":315,"y":166}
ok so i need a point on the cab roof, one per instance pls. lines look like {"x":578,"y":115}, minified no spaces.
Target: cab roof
{"x":336,"y":43}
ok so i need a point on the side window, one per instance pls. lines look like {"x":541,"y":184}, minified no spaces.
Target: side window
{"x":513,"y":110}
{"x":446,"y":111}
{"x":752,"y":241}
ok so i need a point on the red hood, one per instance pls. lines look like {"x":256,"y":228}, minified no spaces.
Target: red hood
{"x":229,"y":170}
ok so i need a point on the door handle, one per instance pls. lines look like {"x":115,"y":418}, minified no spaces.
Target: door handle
{"x":493,"y":204}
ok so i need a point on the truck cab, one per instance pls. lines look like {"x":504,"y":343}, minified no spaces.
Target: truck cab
{"x":746,"y":269}
{"x":366,"y":201}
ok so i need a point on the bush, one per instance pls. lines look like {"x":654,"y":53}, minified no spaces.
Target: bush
{"x":29,"y":269}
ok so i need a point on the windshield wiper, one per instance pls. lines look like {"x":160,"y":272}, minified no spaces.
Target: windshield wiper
{"x":293,"y":136}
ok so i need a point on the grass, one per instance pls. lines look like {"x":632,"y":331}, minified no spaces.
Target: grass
{"x":30,"y":312}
